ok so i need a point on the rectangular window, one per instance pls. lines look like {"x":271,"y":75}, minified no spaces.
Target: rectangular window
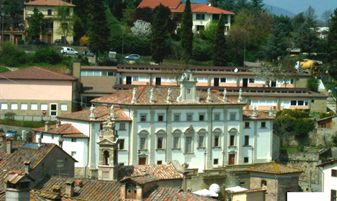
{"x":159,"y":162}
{"x":14,"y":106}
{"x":246,"y":159}
{"x":44,"y":106}
{"x":231,"y":140}
{"x":216,"y":141}
{"x":73,"y":140}
{"x":247,"y":125}
{"x":200,"y":16}
{"x":217,"y":117}
{"x":201,"y":117}
{"x":246,"y":142}
{"x":263,"y":124}
{"x":333,"y":196}
{"x":135,"y":78}
{"x":73,"y":154}
{"x":201,"y":141}
{"x":251,"y":80}
{"x":334,"y":173}
{"x":176,"y":142}
{"x":143,"y":118}
{"x":189,"y":117}
{"x":160,"y":117}
{"x":121,"y":144}
{"x":293,"y":102}
{"x":232,"y":116}
{"x":160,"y":142}
{"x":4,"y":106}
{"x":300,"y":102}
{"x":215,"y":161}
{"x":188,"y":145}
{"x":223,"y":79}
{"x":215,"y":16}
{"x":33,"y":106}
{"x":50,"y":12}
{"x":24,"y":106}
{"x":53,"y":109}
{"x":122,"y":126}
{"x":64,"y":107}
{"x":142,"y":143}
{"x":200,"y":28}
{"x":176,"y":117}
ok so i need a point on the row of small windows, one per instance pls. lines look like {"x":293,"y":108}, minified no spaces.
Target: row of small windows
{"x":298,"y":103}
{"x":263,"y":124}
{"x":216,"y":142}
{"x":97,"y":73}
{"x":190,"y":117}
{"x":32,"y":106}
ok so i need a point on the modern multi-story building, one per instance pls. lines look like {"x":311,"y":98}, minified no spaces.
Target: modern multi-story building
{"x":49,"y":8}
{"x":159,"y":125}
{"x":36,"y":93}
{"x":202,"y":14}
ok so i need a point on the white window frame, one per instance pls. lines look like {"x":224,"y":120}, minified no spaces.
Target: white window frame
{"x":14,"y":106}
{"x":50,"y":110}
{"x":22,"y":106}
{"x":4,"y":106}
{"x":64,"y":107}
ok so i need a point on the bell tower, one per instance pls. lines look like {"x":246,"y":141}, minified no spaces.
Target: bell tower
{"x":108,"y":149}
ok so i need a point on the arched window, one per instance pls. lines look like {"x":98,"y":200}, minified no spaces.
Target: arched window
{"x":189,"y":134}
{"x":176,"y":134}
{"x":106,"y":156}
{"x":232,"y":133}
{"x":201,"y":138}
{"x":161,"y":139}
{"x":217,"y":137}
{"x":143,"y":135}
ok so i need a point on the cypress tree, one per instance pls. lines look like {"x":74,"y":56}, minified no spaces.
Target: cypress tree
{"x":186,"y":32}
{"x":219,"y":56}
{"x":160,"y":33}
{"x":99,"y":32}
{"x":35,"y":23}
{"x":332,"y":37}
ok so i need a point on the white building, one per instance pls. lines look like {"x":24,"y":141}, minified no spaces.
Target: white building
{"x":161,"y":124}
{"x":328,"y":172}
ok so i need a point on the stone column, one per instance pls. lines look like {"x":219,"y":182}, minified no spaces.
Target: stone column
{"x":133,"y":139}
{"x":209,"y":138}
{"x":152,"y":137}
{"x":169,"y":134}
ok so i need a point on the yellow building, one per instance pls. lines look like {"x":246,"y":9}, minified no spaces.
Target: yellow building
{"x":49,"y":8}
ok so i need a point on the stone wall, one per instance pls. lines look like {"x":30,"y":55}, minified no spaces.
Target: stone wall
{"x":306,"y":161}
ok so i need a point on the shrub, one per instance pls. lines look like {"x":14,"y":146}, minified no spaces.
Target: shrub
{"x":11,"y":55}
{"x":47,"y":55}
{"x":202,"y":50}
{"x":313,"y":84}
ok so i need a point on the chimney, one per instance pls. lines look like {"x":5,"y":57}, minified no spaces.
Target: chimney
{"x":46,"y":126}
{"x":39,"y":141}
{"x":9,"y":146}
{"x":77,"y":70}
{"x":69,"y":190}
{"x":27,"y":167}
{"x":92,"y":113}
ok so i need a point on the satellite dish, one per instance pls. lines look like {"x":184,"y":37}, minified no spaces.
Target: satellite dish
{"x":215,"y":188}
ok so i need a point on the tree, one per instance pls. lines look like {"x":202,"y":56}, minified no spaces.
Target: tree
{"x":116,"y":8}
{"x":160,"y":33}
{"x":141,"y":28}
{"x":219,"y":57}
{"x":186,"y":32}
{"x":35,"y":24}
{"x":80,"y":19}
{"x":66,"y":21}
{"x":13,"y":13}
{"x":332,"y":37}
{"x":99,"y":31}
{"x":257,"y":5}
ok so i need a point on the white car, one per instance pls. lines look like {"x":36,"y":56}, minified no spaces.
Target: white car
{"x":68,"y":51}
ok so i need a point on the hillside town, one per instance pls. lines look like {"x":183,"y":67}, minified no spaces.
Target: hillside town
{"x":160,"y":100}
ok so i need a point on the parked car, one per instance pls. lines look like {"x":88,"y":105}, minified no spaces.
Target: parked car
{"x":87,"y":52}
{"x":11,"y":134}
{"x":133,"y":57}
{"x":68,"y":51}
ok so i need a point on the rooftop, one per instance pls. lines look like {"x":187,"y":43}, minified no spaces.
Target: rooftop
{"x":273,"y":168}
{"x":66,"y":130}
{"x":101,"y":114}
{"x":48,"y":3}
{"x":174,"y":194}
{"x":35,"y":73}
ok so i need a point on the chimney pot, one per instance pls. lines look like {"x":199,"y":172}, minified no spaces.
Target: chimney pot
{"x":69,"y":190}
{"x":27,"y":167}
{"x":46,"y":126}
{"x":9,"y":146}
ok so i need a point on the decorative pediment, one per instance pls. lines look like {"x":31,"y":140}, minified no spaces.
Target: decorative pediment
{"x":217,"y":130}
{"x":233,"y":131}
{"x":189,"y":130}
{"x":161,"y":132}
{"x":177,"y":132}
{"x":202,"y":131}
{"x":107,"y":142}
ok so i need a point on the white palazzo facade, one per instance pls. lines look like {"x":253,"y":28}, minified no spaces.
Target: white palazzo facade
{"x":158,"y":125}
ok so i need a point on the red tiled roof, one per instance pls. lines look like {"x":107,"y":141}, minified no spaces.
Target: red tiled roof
{"x":48,"y":3}
{"x":178,"y":7}
{"x":203,"y":8}
{"x":90,"y":190}
{"x":101,"y":113}
{"x":174,"y":194}
{"x":35,"y":73}
{"x":66,"y":130}
{"x":172,"y":4}
{"x":124,"y":97}
{"x":247,"y":115}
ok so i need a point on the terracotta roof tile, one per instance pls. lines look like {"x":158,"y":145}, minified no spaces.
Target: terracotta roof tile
{"x":48,"y":3}
{"x":203,"y":8}
{"x":174,"y":194}
{"x":248,"y":115}
{"x":101,"y":114}
{"x":35,"y":73}
{"x":124,"y":97}
{"x":172,"y":4}
{"x":273,"y":168}
{"x":89,"y":191}
{"x":66,"y":130}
